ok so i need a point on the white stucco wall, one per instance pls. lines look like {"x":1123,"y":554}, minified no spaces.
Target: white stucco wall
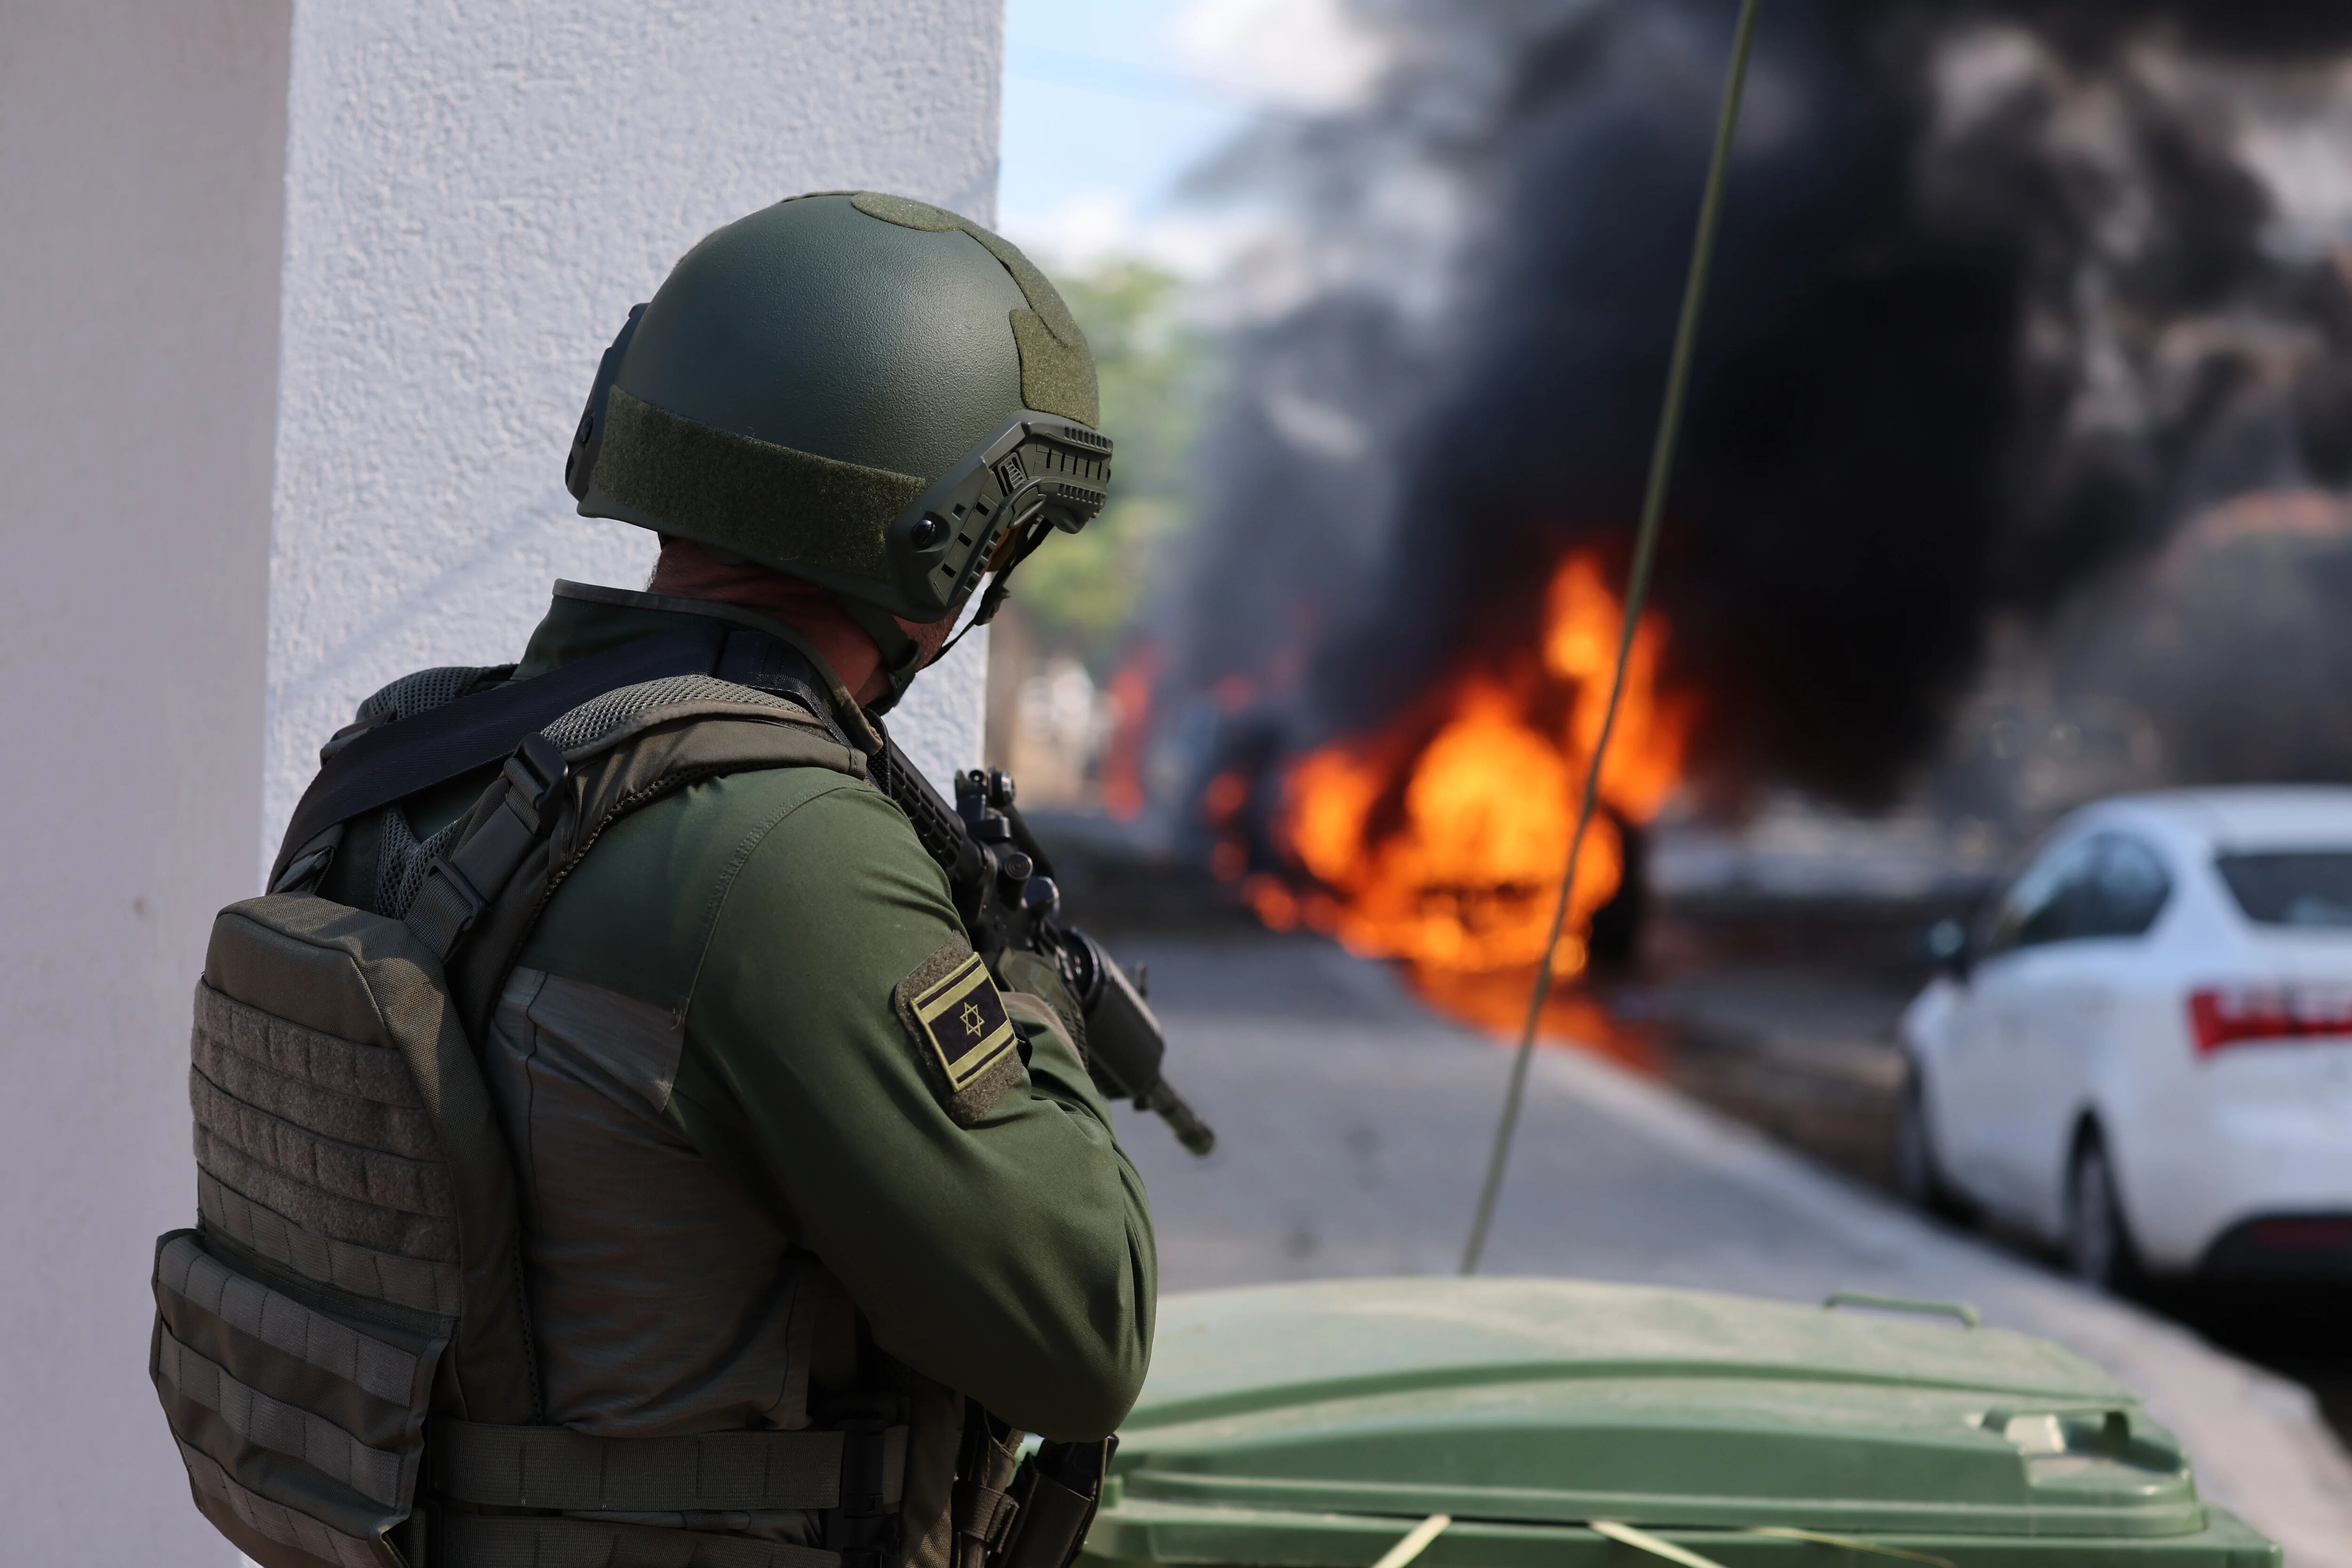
{"x":471,"y":210}
{"x":141,"y":150}
{"x":299,"y":300}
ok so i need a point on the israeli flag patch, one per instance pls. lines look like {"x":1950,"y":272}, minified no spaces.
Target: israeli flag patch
{"x":951,"y":1008}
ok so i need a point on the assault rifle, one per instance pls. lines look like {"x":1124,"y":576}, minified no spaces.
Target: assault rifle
{"x":1003,"y":886}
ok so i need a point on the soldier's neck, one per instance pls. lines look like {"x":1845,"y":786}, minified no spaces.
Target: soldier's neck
{"x":686,"y":571}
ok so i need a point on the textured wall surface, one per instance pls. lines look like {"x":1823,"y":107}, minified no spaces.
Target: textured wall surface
{"x":298,"y":302}
{"x":141,"y":155}
{"x":475,"y":196}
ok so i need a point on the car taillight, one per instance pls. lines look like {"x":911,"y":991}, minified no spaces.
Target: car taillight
{"x":2224,"y":1016}
{"x":2326,"y":1233}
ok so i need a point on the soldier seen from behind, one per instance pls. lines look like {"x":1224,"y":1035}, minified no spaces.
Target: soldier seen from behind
{"x":613,"y":1147}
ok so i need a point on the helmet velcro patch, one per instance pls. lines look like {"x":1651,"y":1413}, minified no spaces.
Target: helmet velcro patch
{"x":663,"y":470}
{"x":960,"y":1031}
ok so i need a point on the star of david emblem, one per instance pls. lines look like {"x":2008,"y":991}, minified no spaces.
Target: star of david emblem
{"x":960,"y":1020}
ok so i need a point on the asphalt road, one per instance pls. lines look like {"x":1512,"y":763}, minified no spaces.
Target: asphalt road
{"x":1353,"y":1130}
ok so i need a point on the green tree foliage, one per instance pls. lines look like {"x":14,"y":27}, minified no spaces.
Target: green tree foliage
{"x":1081,"y":593}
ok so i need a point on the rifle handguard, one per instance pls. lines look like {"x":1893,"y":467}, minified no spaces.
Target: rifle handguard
{"x":1124,"y":1045}
{"x":1190,"y":1130}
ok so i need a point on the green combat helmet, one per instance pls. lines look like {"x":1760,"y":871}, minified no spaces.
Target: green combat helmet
{"x":858,"y":389}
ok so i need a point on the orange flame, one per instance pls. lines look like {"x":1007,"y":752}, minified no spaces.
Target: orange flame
{"x":1441,"y":837}
{"x":1122,"y":762}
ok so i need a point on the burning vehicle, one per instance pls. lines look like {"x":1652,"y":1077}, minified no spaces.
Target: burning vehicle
{"x":1437,"y":839}
{"x":2006,"y":294}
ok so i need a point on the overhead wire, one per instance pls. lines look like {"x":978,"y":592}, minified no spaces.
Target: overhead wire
{"x":1637,"y":590}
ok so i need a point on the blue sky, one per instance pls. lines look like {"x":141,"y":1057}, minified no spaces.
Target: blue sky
{"x":1099,"y":112}
{"x":1107,"y":103}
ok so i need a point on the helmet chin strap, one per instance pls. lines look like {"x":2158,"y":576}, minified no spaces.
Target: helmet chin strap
{"x":902,"y":656}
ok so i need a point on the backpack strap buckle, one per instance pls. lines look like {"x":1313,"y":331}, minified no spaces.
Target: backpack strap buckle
{"x":534,"y":772}
{"x":460,"y":885}
{"x":445,"y":907}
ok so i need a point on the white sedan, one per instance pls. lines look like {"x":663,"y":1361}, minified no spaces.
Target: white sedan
{"x":2142,"y":1048}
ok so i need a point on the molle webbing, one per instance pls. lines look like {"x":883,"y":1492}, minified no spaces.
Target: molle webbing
{"x":479,"y":1540}
{"x":284,"y":1120}
{"x":556,"y":1468}
{"x":268,"y":1394}
{"x":273,"y":1424}
{"x":738,"y":492}
{"x":360,"y":1094}
{"x":219,"y":1493}
{"x":352,"y":1191}
{"x":383,"y":1371}
{"x":417,"y":1284}
{"x":345,"y":1038}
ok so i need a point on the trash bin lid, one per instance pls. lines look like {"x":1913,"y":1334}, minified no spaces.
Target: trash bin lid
{"x":1547,"y":1403}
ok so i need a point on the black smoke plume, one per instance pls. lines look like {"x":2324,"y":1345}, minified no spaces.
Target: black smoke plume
{"x":2004,"y":292}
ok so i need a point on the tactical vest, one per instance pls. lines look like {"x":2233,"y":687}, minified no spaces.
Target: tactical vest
{"x":345,"y":1347}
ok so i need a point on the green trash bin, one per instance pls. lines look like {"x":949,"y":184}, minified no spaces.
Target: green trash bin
{"x":1563,"y":1423}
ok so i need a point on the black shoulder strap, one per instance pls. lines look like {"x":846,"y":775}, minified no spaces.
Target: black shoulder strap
{"x":397,"y":759}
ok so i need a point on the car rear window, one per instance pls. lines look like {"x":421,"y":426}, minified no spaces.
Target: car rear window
{"x":2295,"y":888}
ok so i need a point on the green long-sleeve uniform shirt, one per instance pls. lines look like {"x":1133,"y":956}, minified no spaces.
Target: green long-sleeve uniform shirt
{"x":719,"y":1113}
